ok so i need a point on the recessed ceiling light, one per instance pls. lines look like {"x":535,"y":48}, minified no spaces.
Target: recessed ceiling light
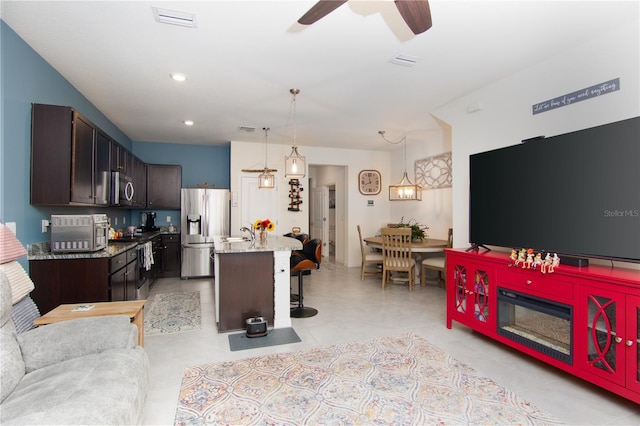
{"x":178,"y":76}
{"x":188,"y":122}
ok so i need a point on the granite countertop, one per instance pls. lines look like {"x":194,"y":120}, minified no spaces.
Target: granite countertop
{"x":274,"y":243}
{"x":42,"y":250}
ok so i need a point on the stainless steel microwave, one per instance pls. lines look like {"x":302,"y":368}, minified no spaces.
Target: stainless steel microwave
{"x":79,"y":233}
{"x":122,"y":189}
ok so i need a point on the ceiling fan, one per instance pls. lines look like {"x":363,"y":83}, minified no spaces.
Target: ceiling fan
{"x":416,"y":13}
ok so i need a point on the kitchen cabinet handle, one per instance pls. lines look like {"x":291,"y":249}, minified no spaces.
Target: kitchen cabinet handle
{"x":629,"y":343}
{"x":529,"y":282}
{"x":618,"y":339}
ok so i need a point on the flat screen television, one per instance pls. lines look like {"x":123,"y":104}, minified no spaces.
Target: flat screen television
{"x":575,"y":194}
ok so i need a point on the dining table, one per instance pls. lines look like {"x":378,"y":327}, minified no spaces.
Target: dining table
{"x":419,"y":249}
{"x":427,"y":245}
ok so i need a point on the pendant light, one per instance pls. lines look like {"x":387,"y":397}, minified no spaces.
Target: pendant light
{"x":405,"y":190}
{"x":295,"y":165}
{"x":266,"y":179}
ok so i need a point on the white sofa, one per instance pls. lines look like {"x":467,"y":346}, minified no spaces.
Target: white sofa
{"x":86,"y":371}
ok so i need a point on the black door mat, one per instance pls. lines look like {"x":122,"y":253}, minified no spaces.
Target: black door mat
{"x":276,"y":336}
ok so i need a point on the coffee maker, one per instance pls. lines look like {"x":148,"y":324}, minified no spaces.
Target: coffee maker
{"x":148,"y":221}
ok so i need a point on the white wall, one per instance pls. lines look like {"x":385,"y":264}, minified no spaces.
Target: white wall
{"x":435,"y":209}
{"x":370,"y":219}
{"x":506,"y":117}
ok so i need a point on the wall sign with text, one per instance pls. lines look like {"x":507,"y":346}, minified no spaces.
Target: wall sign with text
{"x":580,"y":95}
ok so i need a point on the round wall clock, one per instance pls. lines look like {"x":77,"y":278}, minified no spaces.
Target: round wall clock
{"x":369,"y":182}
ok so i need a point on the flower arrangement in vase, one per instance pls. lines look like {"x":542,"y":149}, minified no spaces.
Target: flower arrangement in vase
{"x":262,"y":226}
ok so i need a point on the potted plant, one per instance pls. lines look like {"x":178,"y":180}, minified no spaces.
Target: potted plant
{"x":418,"y":231}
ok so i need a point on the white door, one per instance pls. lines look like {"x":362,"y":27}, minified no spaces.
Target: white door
{"x":320,"y":216}
{"x":257,"y":203}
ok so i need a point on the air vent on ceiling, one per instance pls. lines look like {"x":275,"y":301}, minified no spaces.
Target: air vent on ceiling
{"x":174,"y":17}
{"x":247,"y":129}
{"x":405,"y":60}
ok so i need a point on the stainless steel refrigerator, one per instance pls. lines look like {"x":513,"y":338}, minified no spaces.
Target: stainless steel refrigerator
{"x":204,"y":215}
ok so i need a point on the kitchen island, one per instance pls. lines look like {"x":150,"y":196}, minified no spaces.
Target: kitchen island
{"x":252,"y":279}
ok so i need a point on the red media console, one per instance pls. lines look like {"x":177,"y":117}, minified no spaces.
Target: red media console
{"x":583,"y":320}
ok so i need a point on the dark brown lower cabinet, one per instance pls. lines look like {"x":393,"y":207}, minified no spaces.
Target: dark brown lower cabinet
{"x":245,"y":283}
{"x":170,"y":255}
{"x":61,"y":281}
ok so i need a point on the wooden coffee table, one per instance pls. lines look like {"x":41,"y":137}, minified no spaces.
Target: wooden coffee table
{"x":134,"y":309}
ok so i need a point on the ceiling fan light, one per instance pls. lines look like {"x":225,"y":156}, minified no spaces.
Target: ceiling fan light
{"x":295,"y":165}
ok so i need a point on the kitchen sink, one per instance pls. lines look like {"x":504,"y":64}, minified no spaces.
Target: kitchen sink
{"x":232,"y":239}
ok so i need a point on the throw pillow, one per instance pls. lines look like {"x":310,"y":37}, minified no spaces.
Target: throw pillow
{"x":21,"y":284}
{"x":10,"y":247}
{"x":23,"y":314}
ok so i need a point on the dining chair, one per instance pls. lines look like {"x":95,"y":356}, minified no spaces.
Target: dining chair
{"x":396,"y":255}
{"x":368,"y":258}
{"x":436,"y":264}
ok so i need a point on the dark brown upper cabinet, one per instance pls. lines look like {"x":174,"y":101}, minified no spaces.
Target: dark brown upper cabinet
{"x":69,"y":161}
{"x":163,"y":186}
{"x":138,"y":172}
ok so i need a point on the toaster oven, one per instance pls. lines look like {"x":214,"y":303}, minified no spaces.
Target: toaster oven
{"x":79,"y":233}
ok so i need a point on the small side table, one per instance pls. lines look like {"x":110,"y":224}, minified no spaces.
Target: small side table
{"x":134,"y":309}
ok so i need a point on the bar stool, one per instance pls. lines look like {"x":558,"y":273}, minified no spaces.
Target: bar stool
{"x":308,"y":259}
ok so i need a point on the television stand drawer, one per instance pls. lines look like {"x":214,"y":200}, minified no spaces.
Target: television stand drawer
{"x":534,"y":281}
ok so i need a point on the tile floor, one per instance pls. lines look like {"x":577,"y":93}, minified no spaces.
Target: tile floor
{"x":350,"y":309}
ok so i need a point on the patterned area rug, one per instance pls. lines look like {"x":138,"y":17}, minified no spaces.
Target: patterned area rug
{"x":172,"y":312}
{"x":401,"y":380}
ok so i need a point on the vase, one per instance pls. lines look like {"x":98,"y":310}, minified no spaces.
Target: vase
{"x":263,"y":236}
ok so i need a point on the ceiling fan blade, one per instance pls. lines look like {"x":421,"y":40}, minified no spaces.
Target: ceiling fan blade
{"x":416,"y":14}
{"x":320,"y":10}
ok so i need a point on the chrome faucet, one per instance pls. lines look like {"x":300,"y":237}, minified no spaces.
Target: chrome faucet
{"x":251,"y":231}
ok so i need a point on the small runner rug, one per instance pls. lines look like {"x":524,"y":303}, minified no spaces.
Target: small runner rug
{"x":276,"y":336}
{"x":399,"y":380}
{"x":172,"y":313}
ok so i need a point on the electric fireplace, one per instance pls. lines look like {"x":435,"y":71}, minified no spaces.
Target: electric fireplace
{"x":543,"y":325}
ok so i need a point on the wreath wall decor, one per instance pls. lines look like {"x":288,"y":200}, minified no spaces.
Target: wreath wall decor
{"x":434,"y":172}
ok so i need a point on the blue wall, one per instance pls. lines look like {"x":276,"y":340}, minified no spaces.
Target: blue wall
{"x":27,"y":78}
{"x":200,"y":163}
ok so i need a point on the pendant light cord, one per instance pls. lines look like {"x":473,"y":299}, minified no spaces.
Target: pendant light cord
{"x":403,"y":139}
{"x":292,"y":108}
{"x":266,"y":141}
